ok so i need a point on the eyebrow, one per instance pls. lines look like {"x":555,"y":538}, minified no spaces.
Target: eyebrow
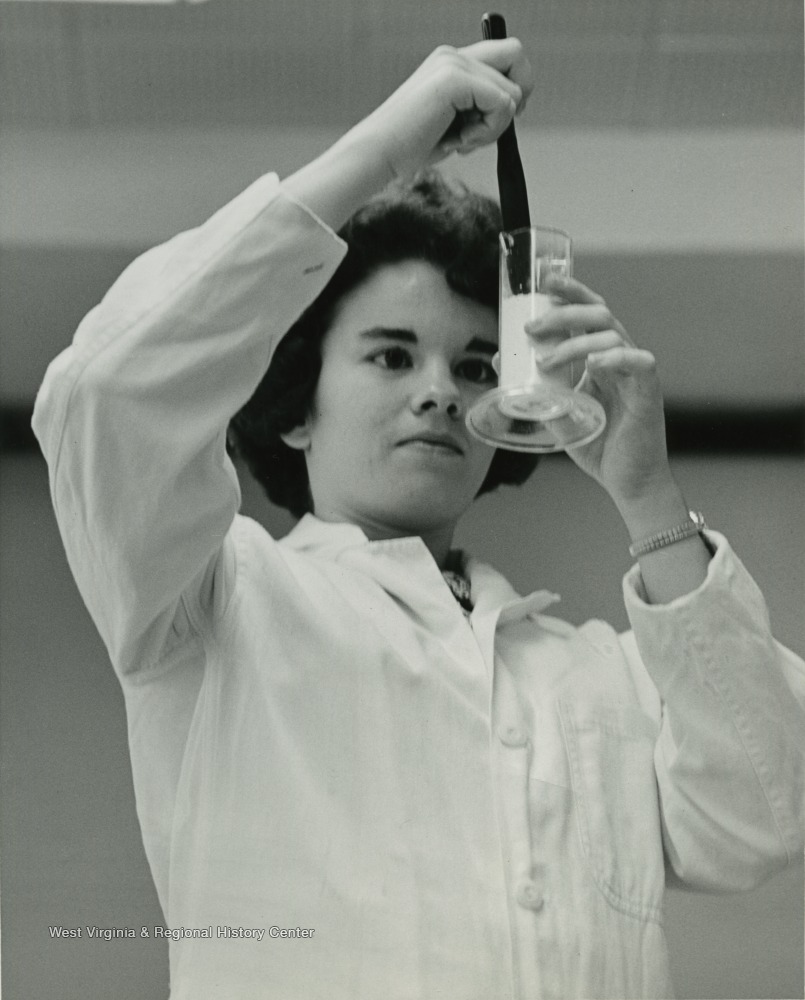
{"x":476,"y":346}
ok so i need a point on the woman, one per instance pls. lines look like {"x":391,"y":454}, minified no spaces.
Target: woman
{"x":364,"y":766}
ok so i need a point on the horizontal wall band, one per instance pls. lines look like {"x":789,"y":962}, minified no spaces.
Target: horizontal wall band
{"x":690,"y":430}
{"x":615,"y":190}
{"x":717,"y":430}
{"x":724,"y":327}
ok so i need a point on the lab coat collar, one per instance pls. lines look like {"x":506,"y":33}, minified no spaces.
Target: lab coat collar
{"x":491,"y":591}
{"x":324,"y":538}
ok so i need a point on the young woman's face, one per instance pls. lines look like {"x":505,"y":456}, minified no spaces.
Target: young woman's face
{"x":386,"y":444}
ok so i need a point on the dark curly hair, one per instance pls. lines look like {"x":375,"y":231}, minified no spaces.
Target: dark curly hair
{"x":427,"y":219}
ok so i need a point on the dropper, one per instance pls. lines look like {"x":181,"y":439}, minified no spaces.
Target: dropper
{"x":511,"y":179}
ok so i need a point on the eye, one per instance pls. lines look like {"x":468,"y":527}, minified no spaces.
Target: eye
{"x":477,"y":370}
{"x":393,"y":358}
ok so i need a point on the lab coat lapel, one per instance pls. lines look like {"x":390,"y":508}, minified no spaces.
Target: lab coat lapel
{"x":497,"y":602}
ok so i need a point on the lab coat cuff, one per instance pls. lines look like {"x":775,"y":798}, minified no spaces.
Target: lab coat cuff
{"x":727,"y":585}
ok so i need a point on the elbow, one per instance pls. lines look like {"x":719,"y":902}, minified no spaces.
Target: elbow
{"x":736,"y":872}
{"x":726,"y":854}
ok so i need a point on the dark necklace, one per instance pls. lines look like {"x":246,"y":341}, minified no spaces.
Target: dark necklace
{"x":460,"y":588}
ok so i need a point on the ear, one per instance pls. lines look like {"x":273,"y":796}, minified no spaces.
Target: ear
{"x":298,"y":438}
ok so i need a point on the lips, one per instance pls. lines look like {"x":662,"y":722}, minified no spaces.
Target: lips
{"x":445,"y":441}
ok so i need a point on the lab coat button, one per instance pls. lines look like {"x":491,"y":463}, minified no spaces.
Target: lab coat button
{"x":529,"y":895}
{"x":513,"y":736}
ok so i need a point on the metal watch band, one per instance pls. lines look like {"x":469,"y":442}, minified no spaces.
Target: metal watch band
{"x":695,"y":526}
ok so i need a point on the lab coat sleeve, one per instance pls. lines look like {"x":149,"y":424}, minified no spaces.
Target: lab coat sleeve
{"x":132,"y":416}
{"x":730,"y":752}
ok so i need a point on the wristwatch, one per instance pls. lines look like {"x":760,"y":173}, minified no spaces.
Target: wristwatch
{"x":694,"y":526}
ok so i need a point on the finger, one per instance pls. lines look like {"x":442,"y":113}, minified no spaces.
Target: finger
{"x":580,"y":318}
{"x":622,"y":361}
{"x":622,"y":367}
{"x":456,"y":62}
{"x":570,"y":289}
{"x":580,"y":348}
{"x":508,"y":58}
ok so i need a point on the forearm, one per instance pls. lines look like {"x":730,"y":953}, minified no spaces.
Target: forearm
{"x":673,"y":570}
{"x":337,"y":183}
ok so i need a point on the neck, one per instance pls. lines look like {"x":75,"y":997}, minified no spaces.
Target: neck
{"x":439,"y":546}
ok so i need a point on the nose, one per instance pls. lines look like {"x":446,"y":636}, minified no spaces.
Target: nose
{"x":438,"y":392}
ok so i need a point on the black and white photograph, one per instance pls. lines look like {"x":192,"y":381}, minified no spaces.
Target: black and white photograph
{"x":402,"y":536}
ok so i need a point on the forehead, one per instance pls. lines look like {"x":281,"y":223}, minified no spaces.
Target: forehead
{"x":413,"y":295}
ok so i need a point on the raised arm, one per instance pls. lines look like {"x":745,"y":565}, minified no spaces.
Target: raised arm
{"x":731,"y":750}
{"x":458,"y":100}
{"x":132,"y":417}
